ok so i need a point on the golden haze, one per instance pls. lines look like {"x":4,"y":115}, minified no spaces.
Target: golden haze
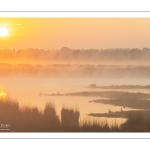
{"x":76,"y":33}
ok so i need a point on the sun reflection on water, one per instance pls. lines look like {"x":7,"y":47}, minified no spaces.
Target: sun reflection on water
{"x":3,"y":95}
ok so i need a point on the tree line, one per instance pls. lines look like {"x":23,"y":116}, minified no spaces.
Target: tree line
{"x":66,"y":53}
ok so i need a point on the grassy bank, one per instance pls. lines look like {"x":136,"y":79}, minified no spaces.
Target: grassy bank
{"x":134,"y":103}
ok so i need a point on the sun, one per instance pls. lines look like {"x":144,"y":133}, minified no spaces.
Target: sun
{"x":3,"y":31}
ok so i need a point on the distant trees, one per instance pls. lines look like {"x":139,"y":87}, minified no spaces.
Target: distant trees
{"x":68,"y":54}
{"x":74,"y":70}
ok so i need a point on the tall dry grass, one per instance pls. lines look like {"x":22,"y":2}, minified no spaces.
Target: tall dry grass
{"x":31,"y":119}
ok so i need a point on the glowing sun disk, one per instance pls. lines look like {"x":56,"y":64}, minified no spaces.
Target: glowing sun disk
{"x":3,"y":31}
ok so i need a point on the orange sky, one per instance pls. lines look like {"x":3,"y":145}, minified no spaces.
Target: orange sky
{"x":76,"y":33}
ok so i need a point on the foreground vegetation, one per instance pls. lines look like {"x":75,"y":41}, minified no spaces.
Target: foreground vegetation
{"x":27,"y":119}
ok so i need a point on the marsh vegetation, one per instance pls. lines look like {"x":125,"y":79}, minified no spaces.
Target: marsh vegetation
{"x":31,"y":119}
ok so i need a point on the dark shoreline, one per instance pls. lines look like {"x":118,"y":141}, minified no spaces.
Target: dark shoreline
{"x":133,"y":103}
{"x":124,"y":114}
{"x":123,"y":87}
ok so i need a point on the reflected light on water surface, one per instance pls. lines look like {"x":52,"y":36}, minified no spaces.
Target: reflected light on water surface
{"x":3,"y":95}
